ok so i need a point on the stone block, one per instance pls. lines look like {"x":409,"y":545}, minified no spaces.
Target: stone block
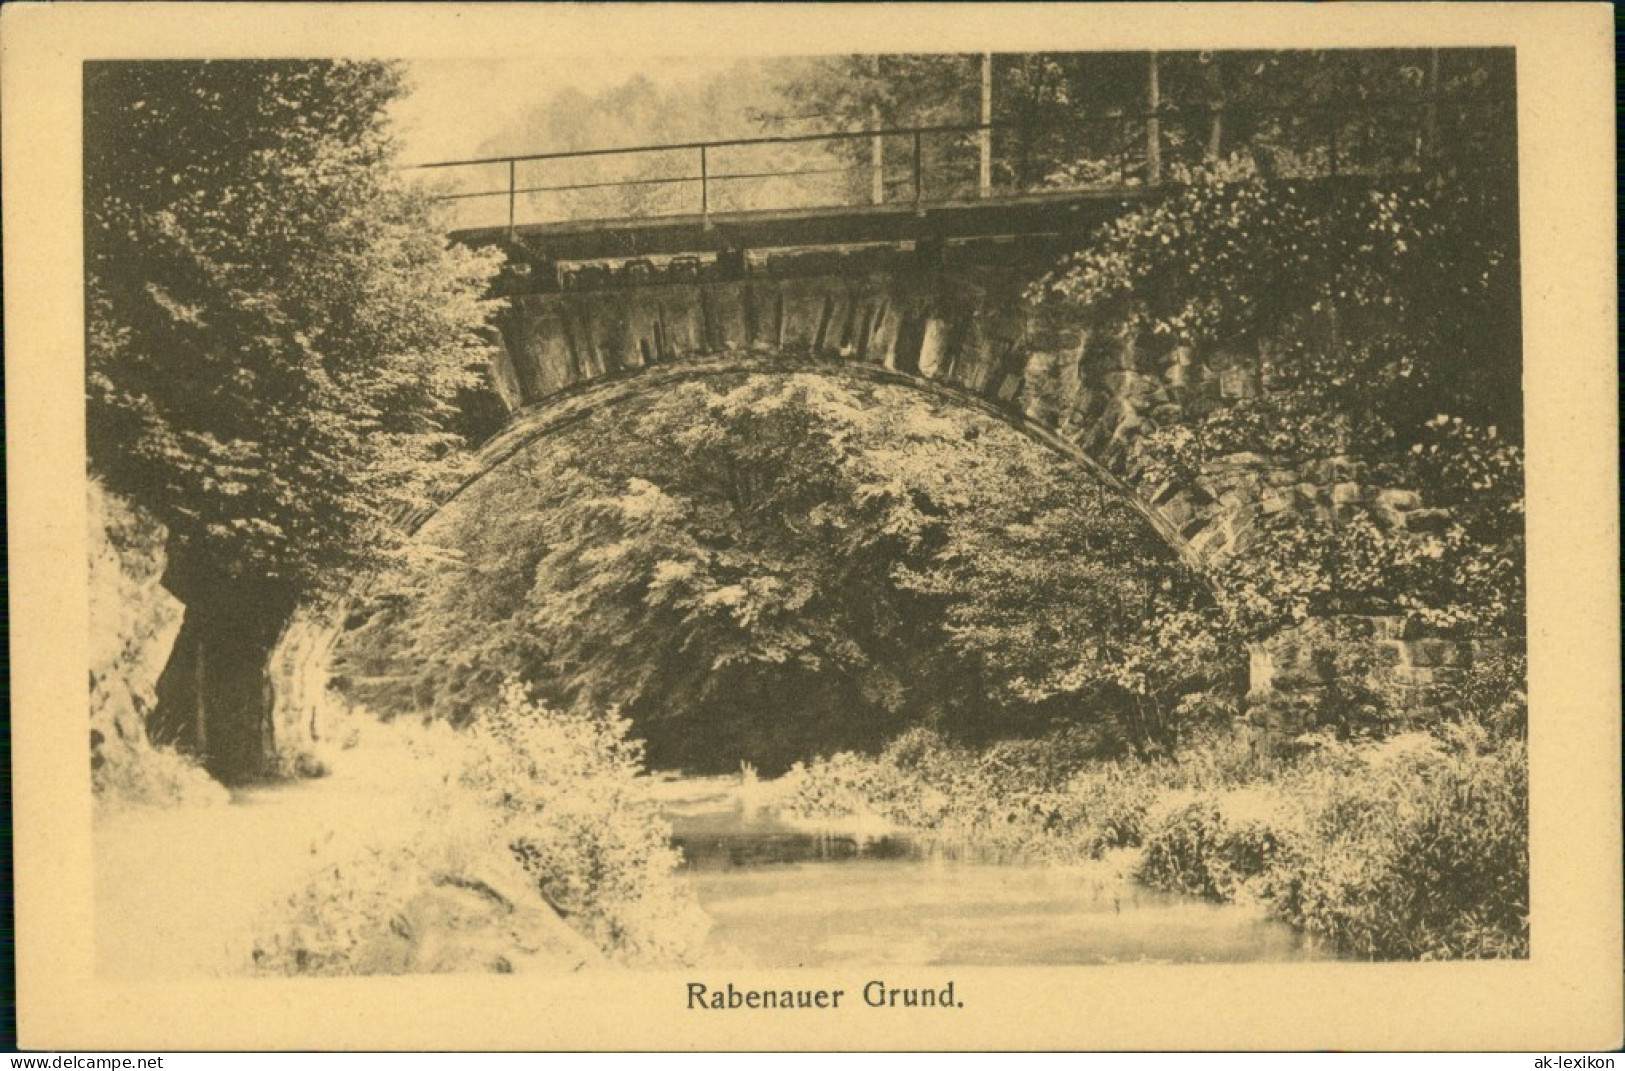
{"x":1427,"y":520}
{"x":1208,"y":541}
{"x":1238,"y":383}
{"x":1278,"y":500}
{"x":1398,"y":500}
{"x":1340,"y":468}
{"x":1390,"y":627}
{"x":1388,"y":653}
{"x":1178,"y":509}
{"x":1432,"y":652}
{"x":1347,"y":493}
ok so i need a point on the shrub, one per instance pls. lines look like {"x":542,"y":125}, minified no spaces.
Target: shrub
{"x":155,"y":775}
{"x":527,"y":818}
{"x":1424,"y":854}
{"x":1105,"y":807}
{"x":574,"y":808}
{"x":1211,"y":844}
{"x":1044,"y":797}
{"x":336,"y":923}
{"x":1493,"y":692}
{"x":1412,"y":848}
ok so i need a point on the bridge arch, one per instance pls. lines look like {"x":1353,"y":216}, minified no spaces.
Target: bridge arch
{"x":569,"y":407}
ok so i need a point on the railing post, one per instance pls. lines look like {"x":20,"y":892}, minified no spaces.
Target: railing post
{"x":919,"y":185}
{"x":877,"y":160}
{"x":1122,"y":147}
{"x":1153,"y":127}
{"x":984,"y":184}
{"x":513,"y":187}
{"x":705,"y":191}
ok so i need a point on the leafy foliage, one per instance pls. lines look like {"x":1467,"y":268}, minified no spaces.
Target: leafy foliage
{"x":1421,"y":853}
{"x":1414,"y":847}
{"x":755,"y":568}
{"x":573,"y":808}
{"x":277,"y":331}
{"x":526,"y":819}
{"x":1386,"y":353}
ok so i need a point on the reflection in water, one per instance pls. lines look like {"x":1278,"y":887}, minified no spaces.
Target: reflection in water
{"x":784,"y":895}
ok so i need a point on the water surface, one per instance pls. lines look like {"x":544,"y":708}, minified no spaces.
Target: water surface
{"x":786,"y":894}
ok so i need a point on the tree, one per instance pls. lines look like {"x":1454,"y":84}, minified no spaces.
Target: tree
{"x":768,"y":568}
{"x":276,"y":334}
{"x":1078,"y":118}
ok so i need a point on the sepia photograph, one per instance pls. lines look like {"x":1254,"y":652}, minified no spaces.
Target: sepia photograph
{"x":795,"y":526}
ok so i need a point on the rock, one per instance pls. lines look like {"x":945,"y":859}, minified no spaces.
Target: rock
{"x":305,"y":712}
{"x":134,"y":621}
{"x":474,"y":920}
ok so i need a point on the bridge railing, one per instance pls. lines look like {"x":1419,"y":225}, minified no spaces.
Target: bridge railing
{"x":920,"y":167}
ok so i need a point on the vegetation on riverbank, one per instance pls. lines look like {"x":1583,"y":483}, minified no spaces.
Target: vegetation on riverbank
{"x":1409,"y":847}
{"x":526,"y":818}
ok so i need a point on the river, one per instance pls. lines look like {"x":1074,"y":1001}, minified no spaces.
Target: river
{"x":789,"y":894}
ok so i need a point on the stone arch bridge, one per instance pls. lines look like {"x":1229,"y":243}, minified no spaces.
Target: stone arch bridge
{"x":937,"y":303}
{"x":923,"y":291}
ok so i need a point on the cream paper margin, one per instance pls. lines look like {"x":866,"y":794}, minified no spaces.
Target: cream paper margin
{"x":1566,"y":997}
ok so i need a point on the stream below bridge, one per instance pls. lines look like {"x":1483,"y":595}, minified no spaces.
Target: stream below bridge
{"x":788,"y":893}
{"x":177,"y":891}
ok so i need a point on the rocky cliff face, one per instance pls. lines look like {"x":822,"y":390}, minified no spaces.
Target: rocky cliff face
{"x":133,"y":625}
{"x":305,"y":712}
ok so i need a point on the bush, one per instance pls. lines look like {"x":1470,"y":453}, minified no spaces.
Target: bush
{"x":527,"y":818}
{"x":574,"y":808}
{"x":1494,"y":693}
{"x":1045,"y":797}
{"x":1105,"y":808}
{"x":345,"y":918}
{"x":1414,"y":848}
{"x":1199,"y":845}
{"x":1424,"y":854}
{"x":154,"y":775}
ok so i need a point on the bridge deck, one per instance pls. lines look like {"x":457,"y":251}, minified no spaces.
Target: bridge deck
{"x":1051,"y":212}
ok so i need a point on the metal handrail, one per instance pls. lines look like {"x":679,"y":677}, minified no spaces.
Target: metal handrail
{"x":1318,"y":114}
{"x":678,"y":146}
{"x":1167,"y":110}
